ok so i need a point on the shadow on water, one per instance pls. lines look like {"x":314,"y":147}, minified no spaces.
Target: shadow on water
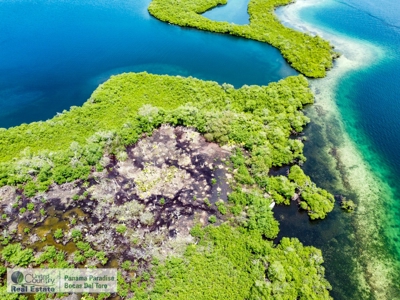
{"x":335,"y":234}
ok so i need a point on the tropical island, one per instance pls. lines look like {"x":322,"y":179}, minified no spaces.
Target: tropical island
{"x":168,"y":179}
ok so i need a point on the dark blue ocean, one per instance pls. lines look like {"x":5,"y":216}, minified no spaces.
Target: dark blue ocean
{"x":53,"y":54}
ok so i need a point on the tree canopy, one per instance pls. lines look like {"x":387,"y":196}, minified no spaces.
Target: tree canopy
{"x":233,"y":257}
{"x":310,"y":55}
{"x":260,"y":119}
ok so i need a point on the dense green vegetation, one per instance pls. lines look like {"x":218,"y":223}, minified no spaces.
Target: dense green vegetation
{"x":282,"y":189}
{"x":348,"y":205}
{"x":310,"y":55}
{"x":316,"y":200}
{"x":233,"y":257}
{"x":259,"y":119}
{"x":227,"y":263}
{"x":13,"y":255}
{"x":259,"y":215}
{"x":114,"y":106}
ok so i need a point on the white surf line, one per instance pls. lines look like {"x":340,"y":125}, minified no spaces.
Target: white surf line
{"x":356,"y":54}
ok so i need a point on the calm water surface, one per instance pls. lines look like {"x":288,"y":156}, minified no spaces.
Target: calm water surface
{"x":369,"y":103}
{"x":54,"y":54}
{"x":234,"y":12}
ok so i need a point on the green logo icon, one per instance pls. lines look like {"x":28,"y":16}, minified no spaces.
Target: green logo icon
{"x":17,"y":277}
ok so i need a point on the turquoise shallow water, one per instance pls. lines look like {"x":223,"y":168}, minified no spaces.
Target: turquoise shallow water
{"x":55,"y":54}
{"x":369,"y":99}
{"x":369,"y":106}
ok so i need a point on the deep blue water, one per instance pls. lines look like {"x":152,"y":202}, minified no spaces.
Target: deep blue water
{"x":369,"y":103}
{"x":53,"y":54}
{"x":371,"y":97}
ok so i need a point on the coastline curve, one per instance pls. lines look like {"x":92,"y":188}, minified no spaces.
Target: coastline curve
{"x":373,"y":237}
